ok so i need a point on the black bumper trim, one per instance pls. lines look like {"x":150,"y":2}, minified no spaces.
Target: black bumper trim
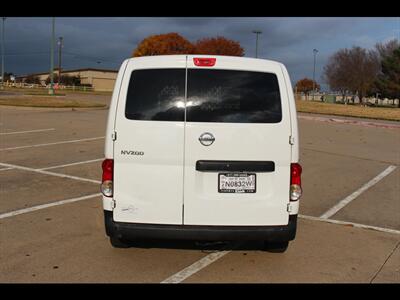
{"x":234,"y":166}
{"x":139,"y":231}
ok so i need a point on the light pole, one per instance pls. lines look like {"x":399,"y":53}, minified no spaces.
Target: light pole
{"x":315,"y":51}
{"x":2,"y":54}
{"x":60,"y":45}
{"x":257,"y":32}
{"x":51,"y":90}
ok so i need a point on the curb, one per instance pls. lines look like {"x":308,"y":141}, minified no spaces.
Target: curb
{"x":351,"y":122}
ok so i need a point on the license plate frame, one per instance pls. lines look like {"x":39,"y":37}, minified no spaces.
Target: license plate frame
{"x":234,"y":190}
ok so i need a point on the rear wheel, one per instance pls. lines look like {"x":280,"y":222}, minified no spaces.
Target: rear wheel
{"x":119,"y":243}
{"x":276,"y":247}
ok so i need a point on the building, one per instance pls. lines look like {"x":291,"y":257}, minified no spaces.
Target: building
{"x":98,"y":79}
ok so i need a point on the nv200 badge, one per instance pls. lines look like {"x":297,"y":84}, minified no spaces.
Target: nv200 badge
{"x":131,"y":152}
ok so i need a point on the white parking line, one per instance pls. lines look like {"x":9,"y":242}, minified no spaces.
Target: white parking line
{"x":5,"y":169}
{"x":61,"y":166}
{"x":49,"y":173}
{"x":71,"y":164}
{"x":42,"y":206}
{"x":28,"y":131}
{"x":195,"y":267}
{"x":354,"y":195}
{"x":382,"y":229}
{"x":55,"y":143}
{"x":209,"y":259}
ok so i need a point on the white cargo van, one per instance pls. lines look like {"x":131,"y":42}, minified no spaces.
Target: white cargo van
{"x":202,"y":148}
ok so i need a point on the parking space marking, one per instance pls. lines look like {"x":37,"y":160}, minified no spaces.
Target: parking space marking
{"x":50,"y":173}
{"x":346,"y":155}
{"x":5,"y":169}
{"x":42,"y":206}
{"x":60,"y":166}
{"x":382,"y":229}
{"x":28,"y":131}
{"x":354,"y":195}
{"x":195,"y":267}
{"x":209,"y":259}
{"x":55,"y":143}
{"x":71,"y":164}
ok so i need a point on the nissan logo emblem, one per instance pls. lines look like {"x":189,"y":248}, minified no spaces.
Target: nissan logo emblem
{"x":206,"y":139}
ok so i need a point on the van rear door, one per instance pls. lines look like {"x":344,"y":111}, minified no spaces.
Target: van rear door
{"x":148,"y":151}
{"x":237,"y":151}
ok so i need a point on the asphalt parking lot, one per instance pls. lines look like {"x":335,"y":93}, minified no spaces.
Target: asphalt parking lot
{"x":52,"y":227}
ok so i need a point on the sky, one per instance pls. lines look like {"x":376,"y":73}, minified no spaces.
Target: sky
{"x":104,"y":42}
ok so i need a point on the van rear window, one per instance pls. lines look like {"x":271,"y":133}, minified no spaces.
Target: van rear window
{"x":156,"y":94}
{"x":212,"y":96}
{"x":232,"y":97}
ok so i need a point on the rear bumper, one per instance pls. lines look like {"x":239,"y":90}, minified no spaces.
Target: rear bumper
{"x":138,"y":231}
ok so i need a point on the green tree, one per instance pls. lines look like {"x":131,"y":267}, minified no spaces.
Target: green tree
{"x":32,"y":79}
{"x":388,"y":81}
{"x":7,"y":76}
{"x":386,"y":49}
{"x":66,"y":80}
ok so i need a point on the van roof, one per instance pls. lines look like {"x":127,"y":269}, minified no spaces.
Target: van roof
{"x":225,"y":58}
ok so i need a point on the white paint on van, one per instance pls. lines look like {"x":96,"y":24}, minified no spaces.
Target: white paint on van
{"x":163,"y":184}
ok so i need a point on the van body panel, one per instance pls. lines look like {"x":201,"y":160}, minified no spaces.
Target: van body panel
{"x":148,"y":188}
{"x":293,"y":116}
{"x":109,"y":145}
{"x":203,"y":203}
{"x":112,"y":111}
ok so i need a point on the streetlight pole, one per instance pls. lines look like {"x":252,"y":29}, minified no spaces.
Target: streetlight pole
{"x":60,"y":45}
{"x":51,"y":90}
{"x":315,"y":51}
{"x":2,"y":54}
{"x":257,"y":32}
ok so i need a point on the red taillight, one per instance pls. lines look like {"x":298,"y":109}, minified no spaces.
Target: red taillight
{"x":108,"y":168}
{"x":107,"y":178}
{"x":295,"y":182}
{"x":204,"y":62}
{"x":295,"y":174}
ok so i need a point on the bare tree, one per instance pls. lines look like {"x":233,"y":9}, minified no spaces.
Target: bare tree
{"x":352,"y":70}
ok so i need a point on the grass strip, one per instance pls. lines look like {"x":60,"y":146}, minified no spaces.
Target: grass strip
{"x":380,"y":113}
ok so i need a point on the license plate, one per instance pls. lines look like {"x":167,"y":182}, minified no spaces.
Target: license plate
{"x":236,"y":183}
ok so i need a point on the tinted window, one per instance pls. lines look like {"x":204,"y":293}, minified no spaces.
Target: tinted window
{"x":156,"y":94}
{"x":232,"y":96}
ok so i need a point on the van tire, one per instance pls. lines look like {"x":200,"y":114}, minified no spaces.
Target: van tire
{"x":276,"y":247}
{"x":118,"y":243}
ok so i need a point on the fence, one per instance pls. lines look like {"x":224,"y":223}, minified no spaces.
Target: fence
{"x":23,"y":85}
{"x":339,"y":99}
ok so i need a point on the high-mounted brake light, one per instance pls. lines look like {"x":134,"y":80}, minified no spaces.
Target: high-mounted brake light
{"x":107,"y":177}
{"x":204,"y":62}
{"x":295,"y":182}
